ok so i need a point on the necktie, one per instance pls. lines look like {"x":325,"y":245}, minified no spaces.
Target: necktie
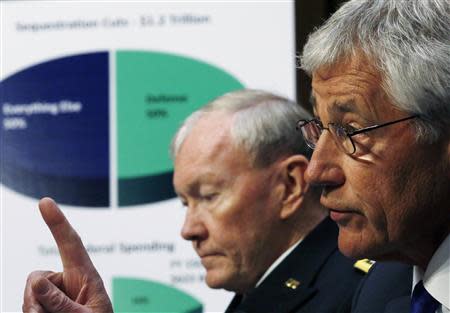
{"x":422,"y":301}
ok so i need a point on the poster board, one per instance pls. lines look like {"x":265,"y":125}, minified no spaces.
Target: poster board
{"x":91,"y":94}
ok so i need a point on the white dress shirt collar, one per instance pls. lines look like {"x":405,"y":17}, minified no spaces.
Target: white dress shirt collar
{"x":436,"y":278}
{"x":277,"y":262}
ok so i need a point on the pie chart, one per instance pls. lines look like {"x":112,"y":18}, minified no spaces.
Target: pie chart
{"x":139,"y":295}
{"x":65,"y":120}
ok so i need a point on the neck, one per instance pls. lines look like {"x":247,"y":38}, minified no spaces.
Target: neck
{"x":309,"y":216}
{"x":428,"y":248}
{"x":289,"y":233}
{"x":418,"y":252}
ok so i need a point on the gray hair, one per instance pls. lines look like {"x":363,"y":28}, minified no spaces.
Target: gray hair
{"x":263,"y":125}
{"x":409,"y":43}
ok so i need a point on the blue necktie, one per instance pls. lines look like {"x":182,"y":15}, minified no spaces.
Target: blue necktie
{"x":422,"y":301}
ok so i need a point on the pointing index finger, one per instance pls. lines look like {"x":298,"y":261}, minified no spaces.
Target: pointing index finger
{"x":71,"y":249}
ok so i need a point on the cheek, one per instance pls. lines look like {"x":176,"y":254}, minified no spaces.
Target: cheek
{"x":369,"y":191}
{"x":241,"y":241}
{"x":226,"y":223}
{"x":385,"y":192}
{"x":418,"y":187}
{"x":242,"y":223}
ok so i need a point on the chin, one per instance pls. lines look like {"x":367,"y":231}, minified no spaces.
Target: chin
{"x":354,"y":245}
{"x":215,"y":280}
{"x":225,"y":281}
{"x":364,"y":244}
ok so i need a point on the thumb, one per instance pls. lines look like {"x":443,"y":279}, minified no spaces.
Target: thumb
{"x":53,"y":299}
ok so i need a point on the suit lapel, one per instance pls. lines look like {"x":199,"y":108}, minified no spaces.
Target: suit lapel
{"x":235,"y":302}
{"x":302,"y":265}
{"x":399,"y":305}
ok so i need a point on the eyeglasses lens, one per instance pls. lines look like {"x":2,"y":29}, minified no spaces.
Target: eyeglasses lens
{"x":311,"y":132}
{"x":342,"y":138}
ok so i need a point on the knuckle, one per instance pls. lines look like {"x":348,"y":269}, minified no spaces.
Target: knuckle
{"x":58,"y":302}
{"x":27,"y":308}
{"x":37,"y":274}
{"x":32,"y":276}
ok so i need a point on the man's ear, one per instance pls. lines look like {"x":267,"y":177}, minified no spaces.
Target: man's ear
{"x":293,"y":177}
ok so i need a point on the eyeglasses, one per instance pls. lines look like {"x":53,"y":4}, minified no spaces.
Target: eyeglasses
{"x":312,"y":129}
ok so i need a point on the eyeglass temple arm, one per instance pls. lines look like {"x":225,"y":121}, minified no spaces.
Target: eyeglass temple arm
{"x":366,"y":129}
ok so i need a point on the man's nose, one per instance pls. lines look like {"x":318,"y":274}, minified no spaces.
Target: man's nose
{"x":193,"y":228}
{"x":324,"y":168}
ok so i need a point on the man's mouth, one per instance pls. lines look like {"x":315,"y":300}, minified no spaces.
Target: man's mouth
{"x":208,"y":260}
{"x":339,"y":212}
{"x":203,"y":255}
{"x":342,"y":216}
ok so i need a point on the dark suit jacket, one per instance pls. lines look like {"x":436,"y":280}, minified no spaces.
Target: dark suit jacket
{"x":327,"y":279}
{"x":386,"y":289}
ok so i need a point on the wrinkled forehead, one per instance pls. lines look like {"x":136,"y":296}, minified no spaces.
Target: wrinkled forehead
{"x":351,"y":86}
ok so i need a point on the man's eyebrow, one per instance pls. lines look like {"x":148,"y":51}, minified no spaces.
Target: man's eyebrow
{"x":339,"y":108}
{"x":343,"y":107}
{"x":193,"y":186}
{"x":187,"y":188}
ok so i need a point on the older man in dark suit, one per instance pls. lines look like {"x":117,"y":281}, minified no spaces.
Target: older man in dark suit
{"x":381,"y":139}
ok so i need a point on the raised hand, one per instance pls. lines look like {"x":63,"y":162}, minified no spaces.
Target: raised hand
{"x":79,"y":288}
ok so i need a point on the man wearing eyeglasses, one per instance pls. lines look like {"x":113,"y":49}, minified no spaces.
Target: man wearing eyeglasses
{"x":254,"y":222}
{"x":381,"y":140}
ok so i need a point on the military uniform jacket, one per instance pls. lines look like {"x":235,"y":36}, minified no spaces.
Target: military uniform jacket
{"x":386,"y":289}
{"x":314,"y":278}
